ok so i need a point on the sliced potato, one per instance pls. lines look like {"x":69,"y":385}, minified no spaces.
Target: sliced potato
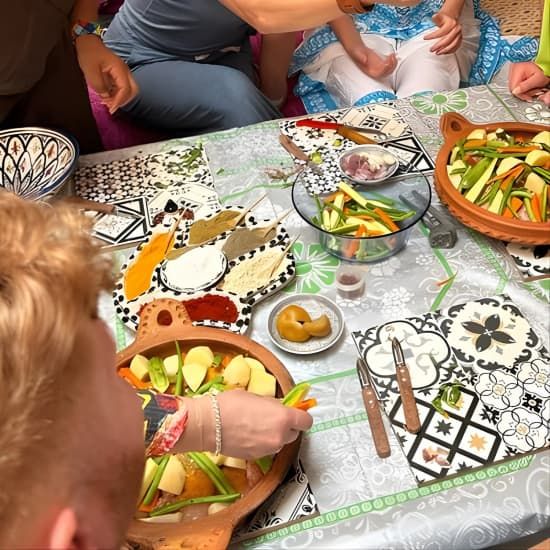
{"x":237,"y":372}
{"x":537,"y":158}
{"x":262,"y":383}
{"x":193,"y":374}
{"x":507,"y":164}
{"x":542,"y":137}
{"x":232,"y":462}
{"x":171,"y":367}
{"x":173,"y":477}
{"x":216,"y":507}
{"x":139,"y":367}
{"x":479,"y":133}
{"x":535,"y":183}
{"x":254,"y":364}
{"x":199,"y":354}
{"x":176,"y":517}
{"x":148,"y":474}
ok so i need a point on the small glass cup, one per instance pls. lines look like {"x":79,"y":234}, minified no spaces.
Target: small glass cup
{"x":350,"y":281}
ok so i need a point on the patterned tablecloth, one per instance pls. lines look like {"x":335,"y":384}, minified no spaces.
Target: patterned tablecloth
{"x":363,"y":501}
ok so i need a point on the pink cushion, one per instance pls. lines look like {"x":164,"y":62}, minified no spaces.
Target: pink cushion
{"x":120,"y":131}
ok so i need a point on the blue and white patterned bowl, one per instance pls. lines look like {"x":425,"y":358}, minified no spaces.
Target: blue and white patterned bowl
{"x":35,"y":162}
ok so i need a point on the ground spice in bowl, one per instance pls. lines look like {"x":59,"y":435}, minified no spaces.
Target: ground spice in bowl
{"x":255,"y":272}
{"x":211,"y":307}
{"x":205,"y":230}
{"x":243,"y":240}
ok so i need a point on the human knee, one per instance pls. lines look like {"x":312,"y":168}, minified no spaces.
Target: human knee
{"x":239,"y":102}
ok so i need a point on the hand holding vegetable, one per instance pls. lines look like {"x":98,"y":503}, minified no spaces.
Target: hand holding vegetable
{"x":252,"y":426}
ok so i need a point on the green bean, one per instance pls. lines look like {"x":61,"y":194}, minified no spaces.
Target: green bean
{"x":178,"y":390}
{"x":213,"y":472}
{"x":544,"y":203}
{"x":148,"y":498}
{"x":205,"y":387}
{"x":157,"y":374}
{"x":506,"y":194}
{"x":471,"y":177}
{"x":178,"y":505}
{"x":529,"y":209}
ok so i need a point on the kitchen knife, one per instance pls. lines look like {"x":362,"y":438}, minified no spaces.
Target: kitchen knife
{"x":374,"y":414}
{"x":298,"y":153}
{"x":344,"y":129}
{"x":101,"y":207}
{"x":412,"y":420}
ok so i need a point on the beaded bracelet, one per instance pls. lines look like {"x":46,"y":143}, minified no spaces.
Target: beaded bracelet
{"x":218,"y":417}
{"x":81,"y":28}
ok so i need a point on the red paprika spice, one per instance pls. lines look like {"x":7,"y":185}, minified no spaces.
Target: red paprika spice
{"x":211,"y":307}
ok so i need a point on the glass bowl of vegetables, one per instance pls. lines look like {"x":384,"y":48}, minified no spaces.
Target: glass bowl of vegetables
{"x":368,"y":164}
{"x":495,"y":178}
{"x":364,"y":224}
{"x":194,"y":500}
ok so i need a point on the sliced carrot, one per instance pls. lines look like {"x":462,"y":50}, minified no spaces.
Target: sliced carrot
{"x":332,"y":196}
{"x":132,"y":379}
{"x":353,"y":245}
{"x":475,"y":143}
{"x":306,"y":404}
{"x":151,"y":506}
{"x":388,"y":222}
{"x":226,"y":360}
{"x":376,"y":233}
{"x":506,"y":181}
{"x":513,"y":170}
{"x":535,"y":204}
{"x":515,"y":205}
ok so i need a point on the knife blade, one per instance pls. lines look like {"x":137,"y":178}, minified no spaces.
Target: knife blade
{"x":298,"y":153}
{"x":338,"y":127}
{"x":412,"y":420}
{"x":101,"y":207}
{"x":374,"y":413}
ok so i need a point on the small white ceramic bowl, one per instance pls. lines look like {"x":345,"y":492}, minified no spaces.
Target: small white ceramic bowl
{"x":375,"y":152}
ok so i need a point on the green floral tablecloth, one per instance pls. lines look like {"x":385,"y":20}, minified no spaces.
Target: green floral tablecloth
{"x":366,"y":502}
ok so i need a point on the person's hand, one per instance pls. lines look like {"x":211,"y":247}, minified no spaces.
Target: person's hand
{"x":527,"y":81}
{"x":371,"y":63}
{"x":252,"y":426}
{"x":449,"y":32}
{"x":105,"y":72}
{"x":255,"y":426}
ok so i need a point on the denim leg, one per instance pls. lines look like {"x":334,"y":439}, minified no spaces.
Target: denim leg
{"x":187,"y":97}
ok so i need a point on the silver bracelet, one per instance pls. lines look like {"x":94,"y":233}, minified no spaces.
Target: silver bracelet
{"x":218,"y":418}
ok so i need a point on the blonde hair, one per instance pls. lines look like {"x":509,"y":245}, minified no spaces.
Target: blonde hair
{"x":51,"y":274}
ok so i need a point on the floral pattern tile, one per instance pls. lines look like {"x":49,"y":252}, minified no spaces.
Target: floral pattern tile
{"x":440,"y":103}
{"x":504,"y":372}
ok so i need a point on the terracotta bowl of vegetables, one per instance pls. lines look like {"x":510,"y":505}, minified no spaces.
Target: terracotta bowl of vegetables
{"x":495,"y":178}
{"x":164,"y":322}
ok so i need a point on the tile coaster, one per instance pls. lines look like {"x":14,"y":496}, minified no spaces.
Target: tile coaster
{"x":532,"y":262}
{"x":167,"y":183}
{"x":489,"y":347}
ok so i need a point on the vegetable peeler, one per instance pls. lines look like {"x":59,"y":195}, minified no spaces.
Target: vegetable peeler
{"x":442,"y":233}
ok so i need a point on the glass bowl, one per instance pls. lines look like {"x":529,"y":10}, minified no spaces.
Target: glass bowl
{"x":398,"y":189}
{"x":377,"y":153}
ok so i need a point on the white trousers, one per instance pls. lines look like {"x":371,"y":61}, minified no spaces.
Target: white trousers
{"x":418,"y":70}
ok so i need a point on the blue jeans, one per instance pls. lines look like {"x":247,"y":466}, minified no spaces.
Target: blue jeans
{"x":186,"y":97}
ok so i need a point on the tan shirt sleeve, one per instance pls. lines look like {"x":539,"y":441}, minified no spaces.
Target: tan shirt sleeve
{"x":29,"y":29}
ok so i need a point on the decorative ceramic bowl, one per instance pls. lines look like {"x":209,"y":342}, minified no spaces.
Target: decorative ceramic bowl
{"x":35,"y":162}
{"x":455,"y":127}
{"x":155,"y":339}
{"x":375,"y":153}
{"x":373,"y":249}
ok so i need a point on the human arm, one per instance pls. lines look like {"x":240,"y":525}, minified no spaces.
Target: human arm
{"x":104,"y":71}
{"x":449,"y":31}
{"x":180,"y":424}
{"x":275,"y":57}
{"x":273,"y":16}
{"x":365,"y":58}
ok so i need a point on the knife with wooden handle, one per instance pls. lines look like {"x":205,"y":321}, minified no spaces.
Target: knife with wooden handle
{"x":298,"y":153}
{"x":412,"y":420}
{"x":374,"y":414}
